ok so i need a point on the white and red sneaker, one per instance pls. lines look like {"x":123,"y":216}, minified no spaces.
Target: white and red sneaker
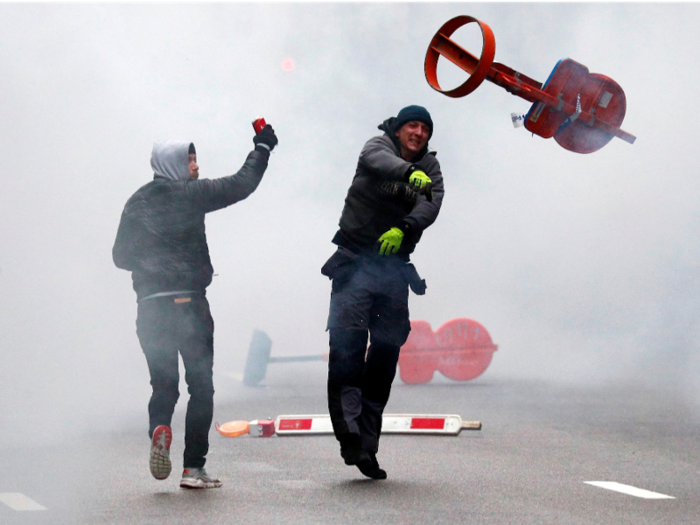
{"x":160,"y":452}
{"x":197,"y":478}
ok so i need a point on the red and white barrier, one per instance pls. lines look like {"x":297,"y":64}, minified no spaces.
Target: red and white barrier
{"x":261,"y":428}
{"x":450,"y":425}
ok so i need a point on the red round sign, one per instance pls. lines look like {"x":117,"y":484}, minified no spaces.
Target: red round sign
{"x":461,"y":349}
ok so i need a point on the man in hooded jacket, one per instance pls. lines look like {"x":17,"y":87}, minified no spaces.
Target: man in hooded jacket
{"x":395,"y":195}
{"x":161,"y":239}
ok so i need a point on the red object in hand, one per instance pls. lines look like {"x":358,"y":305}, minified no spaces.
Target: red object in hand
{"x":258,"y":124}
{"x":460,"y":349}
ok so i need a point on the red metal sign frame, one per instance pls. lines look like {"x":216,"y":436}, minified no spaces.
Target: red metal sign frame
{"x":592,"y":120}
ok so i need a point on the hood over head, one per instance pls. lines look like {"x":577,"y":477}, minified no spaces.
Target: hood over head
{"x":170,"y":159}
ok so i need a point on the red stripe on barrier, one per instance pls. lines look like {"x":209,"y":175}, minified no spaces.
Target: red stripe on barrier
{"x":295,"y":424}
{"x":423,"y":423}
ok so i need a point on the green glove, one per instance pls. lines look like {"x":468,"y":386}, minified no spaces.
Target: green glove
{"x":419,"y":180}
{"x":391,"y":241}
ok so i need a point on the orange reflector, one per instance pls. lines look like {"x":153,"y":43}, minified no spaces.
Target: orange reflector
{"x":233,"y":428}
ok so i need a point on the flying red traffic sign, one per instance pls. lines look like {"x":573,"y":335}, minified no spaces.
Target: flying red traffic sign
{"x":581,"y":110}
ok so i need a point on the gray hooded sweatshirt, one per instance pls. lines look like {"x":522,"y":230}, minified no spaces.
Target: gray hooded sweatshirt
{"x":170,"y":159}
{"x":161,"y":237}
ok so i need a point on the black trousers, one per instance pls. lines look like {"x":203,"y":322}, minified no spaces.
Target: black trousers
{"x":166,"y":325}
{"x":371,"y":301}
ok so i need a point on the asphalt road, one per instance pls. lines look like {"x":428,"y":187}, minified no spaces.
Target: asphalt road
{"x":539,"y":445}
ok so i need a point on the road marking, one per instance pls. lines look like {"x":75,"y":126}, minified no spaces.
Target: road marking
{"x":18,"y":501}
{"x":629,"y":489}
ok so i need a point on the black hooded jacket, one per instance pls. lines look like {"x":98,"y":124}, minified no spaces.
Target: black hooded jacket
{"x":380,"y":198}
{"x":161,"y":237}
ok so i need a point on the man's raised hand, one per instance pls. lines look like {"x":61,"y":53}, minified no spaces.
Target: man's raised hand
{"x":266,"y":138}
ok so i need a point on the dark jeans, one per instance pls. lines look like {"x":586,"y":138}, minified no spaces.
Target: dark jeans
{"x":165,"y":327}
{"x":370,"y":301}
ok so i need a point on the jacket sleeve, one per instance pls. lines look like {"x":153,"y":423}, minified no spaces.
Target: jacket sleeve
{"x":425,"y":212}
{"x":215,"y":194}
{"x":123,"y":249}
{"x":380,"y":159}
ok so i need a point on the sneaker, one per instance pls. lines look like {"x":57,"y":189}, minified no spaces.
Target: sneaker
{"x":197,"y":478}
{"x":160,"y":452}
{"x":370,"y":467}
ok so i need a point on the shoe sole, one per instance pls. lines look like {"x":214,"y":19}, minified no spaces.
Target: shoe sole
{"x":197,"y":484}
{"x":159,"y":462}
{"x":372,"y":470}
{"x":372,"y":474}
{"x":377,"y":474}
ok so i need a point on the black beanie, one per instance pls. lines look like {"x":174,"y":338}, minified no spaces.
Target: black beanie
{"x":411,"y":113}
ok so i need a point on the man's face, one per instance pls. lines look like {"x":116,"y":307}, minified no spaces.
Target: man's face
{"x":194,"y":169}
{"x":413,"y":137}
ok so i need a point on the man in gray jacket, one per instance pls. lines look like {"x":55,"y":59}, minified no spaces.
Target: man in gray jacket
{"x":396,"y":193}
{"x":162,"y":241}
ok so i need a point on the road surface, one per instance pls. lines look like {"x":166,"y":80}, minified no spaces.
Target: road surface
{"x":540,"y":446}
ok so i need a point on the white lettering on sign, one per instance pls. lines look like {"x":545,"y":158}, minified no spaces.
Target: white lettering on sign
{"x":518,"y":120}
{"x":462,"y":330}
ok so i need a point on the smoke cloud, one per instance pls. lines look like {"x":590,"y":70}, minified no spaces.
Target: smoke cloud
{"x":584,"y":268}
